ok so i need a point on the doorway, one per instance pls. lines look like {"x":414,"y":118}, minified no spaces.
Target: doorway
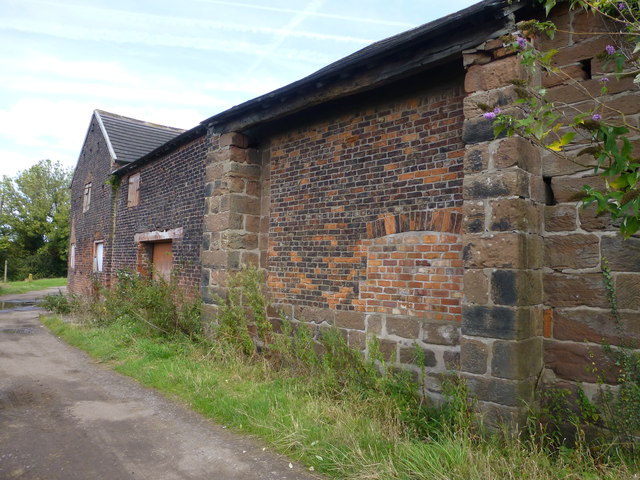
{"x":162,"y":260}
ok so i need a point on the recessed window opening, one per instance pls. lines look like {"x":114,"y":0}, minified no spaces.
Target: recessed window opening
{"x":98,"y":256}
{"x":86,"y":199}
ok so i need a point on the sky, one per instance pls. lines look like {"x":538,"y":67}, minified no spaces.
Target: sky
{"x":173,"y":63}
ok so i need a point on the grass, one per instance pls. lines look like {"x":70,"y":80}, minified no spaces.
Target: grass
{"x":12,"y":288}
{"x":342,"y":434}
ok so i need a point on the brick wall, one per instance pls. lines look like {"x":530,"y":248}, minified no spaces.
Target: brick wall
{"x":171,"y":207}
{"x":364,"y":223}
{"x":94,"y":166}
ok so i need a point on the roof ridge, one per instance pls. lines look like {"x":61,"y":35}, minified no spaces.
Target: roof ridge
{"x":137,"y":121}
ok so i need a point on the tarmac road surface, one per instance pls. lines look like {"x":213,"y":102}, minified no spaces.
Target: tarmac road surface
{"x":63,"y":416}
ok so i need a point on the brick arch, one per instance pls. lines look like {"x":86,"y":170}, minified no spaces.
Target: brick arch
{"x":445,"y":220}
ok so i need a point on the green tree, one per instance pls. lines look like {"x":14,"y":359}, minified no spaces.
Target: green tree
{"x":34,"y":220}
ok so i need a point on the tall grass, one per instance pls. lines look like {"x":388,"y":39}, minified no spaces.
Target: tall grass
{"x":337,"y":413}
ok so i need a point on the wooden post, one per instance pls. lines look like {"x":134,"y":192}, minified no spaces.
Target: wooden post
{"x":5,"y":271}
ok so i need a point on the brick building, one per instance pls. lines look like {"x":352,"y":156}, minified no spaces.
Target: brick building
{"x":376,"y":198}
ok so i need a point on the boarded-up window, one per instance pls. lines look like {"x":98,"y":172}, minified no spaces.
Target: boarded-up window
{"x":134,"y":190}
{"x":86,"y":199}
{"x":72,"y":256}
{"x":98,"y":256}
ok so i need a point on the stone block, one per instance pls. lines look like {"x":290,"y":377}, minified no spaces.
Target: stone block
{"x":579,"y":362}
{"x":572,"y":251}
{"x":451,"y":360}
{"x":584,"y":50}
{"x":506,"y":323}
{"x":476,"y":287}
{"x":500,"y":73}
{"x":357,"y":340}
{"x":538,"y":189}
{"x":477,"y":130}
{"x":350,"y":320}
{"x":502,"y":419}
{"x":441,"y":334}
{"x":403,"y":326}
{"x":249,"y":258}
{"x":476,"y":158}
{"x":502,"y":250}
{"x":213,"y":295}
{"x":516,"y":287}
{"x":553,"y":78}
{"x":517,"y":360}
{"x":473,"y":356}
{"x":622,"y":255}
{"x":591,"y":221}
{"x":569,"y":189}
{"x":374,"y":324}
{"x":233,"y":240}
{"x":597,"y":326}
{"x":513,"y":393}
{"x":502,"y":98}
{"x":216,"y":222}
{"x":209,"y":313}
{"x":233,"y":139}
{"x":214,"y":259}
{"x":560,"y":218}
{"x":473,"y":216}
{"x":418,"y":356}
{"x":478,"y":58}
{"x":555,"y":165}
{"x":317,"y":315}
{"x":244,"y":204}
{"x":389,"y":350}
{"x":509,"y":214}
{"x":628,"y":291}
{"x":518,"y":152}
{"x":504,"y":183}
{"x":562,"y":290}
{"x":243,"y":169}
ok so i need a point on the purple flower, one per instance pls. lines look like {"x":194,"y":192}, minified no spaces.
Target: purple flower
{"x":522,"y":43}
{"x":492,"y":115}
{"x":604,"y":79}
{"x":621,"y":6}
{"x":596,"y":117}
{"x":610,"y":49}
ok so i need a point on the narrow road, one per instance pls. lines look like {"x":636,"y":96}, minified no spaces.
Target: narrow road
{"x":63,"y":416}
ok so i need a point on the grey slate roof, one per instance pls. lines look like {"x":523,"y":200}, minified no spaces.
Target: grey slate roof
{"x":129,"y":139}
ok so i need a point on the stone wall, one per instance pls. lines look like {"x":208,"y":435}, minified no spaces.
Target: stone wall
{"x":501,"y":345}
{"x":577,"y":315}
{"x":535,"y":307}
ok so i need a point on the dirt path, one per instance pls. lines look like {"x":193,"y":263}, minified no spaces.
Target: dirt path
{"x":65,"y":417}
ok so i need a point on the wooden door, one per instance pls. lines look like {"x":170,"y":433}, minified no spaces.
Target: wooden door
{"x":162,"y":259}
